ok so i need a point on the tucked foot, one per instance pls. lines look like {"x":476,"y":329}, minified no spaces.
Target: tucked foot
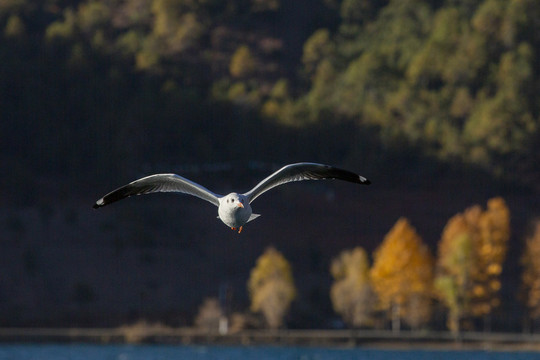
{"x":239,"y":229}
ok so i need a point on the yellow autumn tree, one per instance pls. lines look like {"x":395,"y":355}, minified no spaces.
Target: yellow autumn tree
{"x":402,"y":275}
{"x":351,"y":293}
{"x":242,"y":62}
{"x":176,"y":26}
{"x":471,"y":255}
{"x":271,"y":287}
{"x":531,"y":272}
{"x":491,"y":242}
{"x":455,"y":264}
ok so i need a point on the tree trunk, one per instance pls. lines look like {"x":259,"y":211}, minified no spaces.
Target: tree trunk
{"x":396,"y":319}
{"x":454,"y":323}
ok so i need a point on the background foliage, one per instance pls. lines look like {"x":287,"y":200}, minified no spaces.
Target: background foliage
{"x":456,"y":80}
{"x":271,"y":287}
{"x":351,"y":294}
{"x":416,"y":94}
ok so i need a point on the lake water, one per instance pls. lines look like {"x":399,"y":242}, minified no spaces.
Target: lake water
{"x":160,"y":352}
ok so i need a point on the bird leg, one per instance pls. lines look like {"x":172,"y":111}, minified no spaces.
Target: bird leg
{"x":239,"y":229}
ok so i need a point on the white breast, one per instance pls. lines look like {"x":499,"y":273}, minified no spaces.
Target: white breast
{"x":234,"y":216}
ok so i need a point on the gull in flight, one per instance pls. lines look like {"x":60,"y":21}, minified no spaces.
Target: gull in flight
{"x":233,"y":209}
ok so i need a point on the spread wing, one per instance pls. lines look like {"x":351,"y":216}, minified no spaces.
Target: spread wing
{"x":159,"y":183}
{"x":303,"y":171}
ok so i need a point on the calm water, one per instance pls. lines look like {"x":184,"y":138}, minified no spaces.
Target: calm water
{"x":160,"y":352}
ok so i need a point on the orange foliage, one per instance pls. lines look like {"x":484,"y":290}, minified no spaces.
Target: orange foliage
{"x":471,"y":255}
{"x":491,"y":242}
{"x":402,"y":268}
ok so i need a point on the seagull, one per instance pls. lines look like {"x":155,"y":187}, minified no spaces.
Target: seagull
{"x":234,"y":209}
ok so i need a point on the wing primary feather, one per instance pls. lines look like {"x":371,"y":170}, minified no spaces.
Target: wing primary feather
{"x":159,"y":183}
{"x":303,"y":171}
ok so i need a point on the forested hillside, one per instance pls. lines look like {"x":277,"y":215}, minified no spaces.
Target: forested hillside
{"x":104,"y":80}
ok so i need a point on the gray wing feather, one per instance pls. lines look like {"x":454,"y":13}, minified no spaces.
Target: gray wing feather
{"x":303,"y":171}
{"x":159,"y":183}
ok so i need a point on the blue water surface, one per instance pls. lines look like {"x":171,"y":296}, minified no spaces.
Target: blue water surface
{"x":173,"y":352}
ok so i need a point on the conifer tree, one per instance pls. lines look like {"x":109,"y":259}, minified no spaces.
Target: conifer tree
{"x":402,"y":275}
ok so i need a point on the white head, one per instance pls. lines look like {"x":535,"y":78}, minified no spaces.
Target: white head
{"x":233,"y":200}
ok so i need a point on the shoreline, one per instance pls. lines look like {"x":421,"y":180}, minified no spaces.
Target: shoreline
{"x":373,"y":339}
